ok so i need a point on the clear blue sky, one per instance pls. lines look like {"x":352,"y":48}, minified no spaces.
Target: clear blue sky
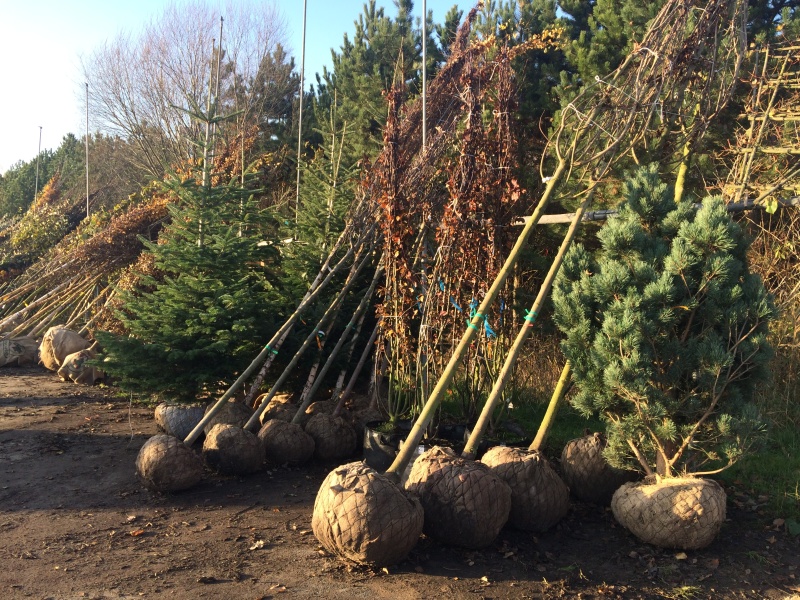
{"x":41,"y":42}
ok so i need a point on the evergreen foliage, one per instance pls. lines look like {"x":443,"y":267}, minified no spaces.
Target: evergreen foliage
{"x":327,"y":190}
{"x":18,"y":184}
{"x":383,"y":51}
{"x":198,"y":323}
{"x":666,"y":330}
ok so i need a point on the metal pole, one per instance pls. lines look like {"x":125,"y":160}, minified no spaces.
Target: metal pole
{"x":38,"y":154}
{"x":300,"y":117}
{"x":216,"y":95}
{"x":424,"y":72}
{"x":87,"y":149}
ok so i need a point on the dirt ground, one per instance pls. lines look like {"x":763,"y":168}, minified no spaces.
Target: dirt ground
{"x":76,"y":523}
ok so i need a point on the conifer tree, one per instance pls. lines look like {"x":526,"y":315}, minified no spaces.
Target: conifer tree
{"x":327,"y":189}
{"x":195,"y":324}
{"x":666,"y":330}
{"x":382,"y":52}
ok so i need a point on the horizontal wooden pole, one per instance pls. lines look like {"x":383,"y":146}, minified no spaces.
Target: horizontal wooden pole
{"x":602,"y":215}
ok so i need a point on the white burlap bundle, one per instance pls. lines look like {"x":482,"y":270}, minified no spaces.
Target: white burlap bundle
{"x":166,"y":464}
{"x":178,"y":419}
{"x":285,"y":443}
{"x":333,"y":437}
{"x":18,"y":351}
{"x":362,"y":516}
{"x":465,"y":503}
{"x":231,"y":450}
{"x":58,"y":343}
{"x":684,"y":513}
{"x":75,"y":368}
{"x":539,"y":499}
{"x":587,"y":473}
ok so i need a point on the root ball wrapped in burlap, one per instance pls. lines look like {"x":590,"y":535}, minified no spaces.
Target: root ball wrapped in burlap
{"x":18,"y":351}
{"x":58,"y":343}
{"x":178,"y":419}
{"x":285,"y":443}
{"x":333,"y":437}
{"x":280,"y":407}
{"x":465,"y":503}
{"x":324,"y":407}
{"x":362,"y":516}
{"x":233,"y":451}
{"x":587,"y":473}
{"x":684,"y":513}
{"x":231,"y":413}
{"x":539,"y":498}
{"x":166,"y":464}
{"x":76,"y":368}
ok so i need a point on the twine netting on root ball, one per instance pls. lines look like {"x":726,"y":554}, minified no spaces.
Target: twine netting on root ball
{"x":178,"y":419}
{"x":587,"y":473}
{"x":232,"y":413}
{"x":280,"y":407}
{"x":286,"y":443}
{"x":362,"y":516}
{"x":465,"y":503}
{"x":684,"y":513}
{"x":58,"y":343}
{"x":333,"y":437}
{"x":233,"y":451}
{"x":166,"y":464}
{"x":539,"y":499}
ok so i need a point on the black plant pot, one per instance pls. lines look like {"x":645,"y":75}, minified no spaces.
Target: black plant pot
{"x":380,"y":446}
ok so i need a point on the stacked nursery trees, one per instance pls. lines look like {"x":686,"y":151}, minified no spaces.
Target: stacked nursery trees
{"x":403,"y":222}
{"x":617,"y":116}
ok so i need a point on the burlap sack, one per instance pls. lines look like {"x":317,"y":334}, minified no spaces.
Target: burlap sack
{"x":333,"y":437}
{"x":280,"y":407}
{"x":58,"y":343}
{"x":587,"y":473}
{"x":18,"y":352}
{"x":684,"y":513}
{"x":231,"y":413}
{"x":361,"y":516}
{"x":465,"y":503}
{"x":178,"y":419}
{"x":285,"y":443}
{"x":165,"y":464}
{"x":75,"y":368}
{"x":232,"y":450}
{"x":539,"y":499}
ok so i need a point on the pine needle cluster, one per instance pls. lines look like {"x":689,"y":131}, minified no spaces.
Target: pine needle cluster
{"x":666,"y":330}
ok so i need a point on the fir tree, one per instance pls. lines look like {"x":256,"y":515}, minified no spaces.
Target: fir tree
{"x":198,"y":322}
{"x":666,"y":330}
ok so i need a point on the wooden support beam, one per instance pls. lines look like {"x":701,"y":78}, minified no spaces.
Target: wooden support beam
{"x":602,"y":215}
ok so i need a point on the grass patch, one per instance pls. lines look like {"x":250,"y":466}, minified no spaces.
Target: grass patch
{"x":567,"y":425}
{"x":773,"y":470}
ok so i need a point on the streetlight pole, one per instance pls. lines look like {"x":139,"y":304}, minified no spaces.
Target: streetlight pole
{"x":424,"y":73}
{"x":300,"y":115}
{"x":38,"y":154}
{"x":87,"y":149}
